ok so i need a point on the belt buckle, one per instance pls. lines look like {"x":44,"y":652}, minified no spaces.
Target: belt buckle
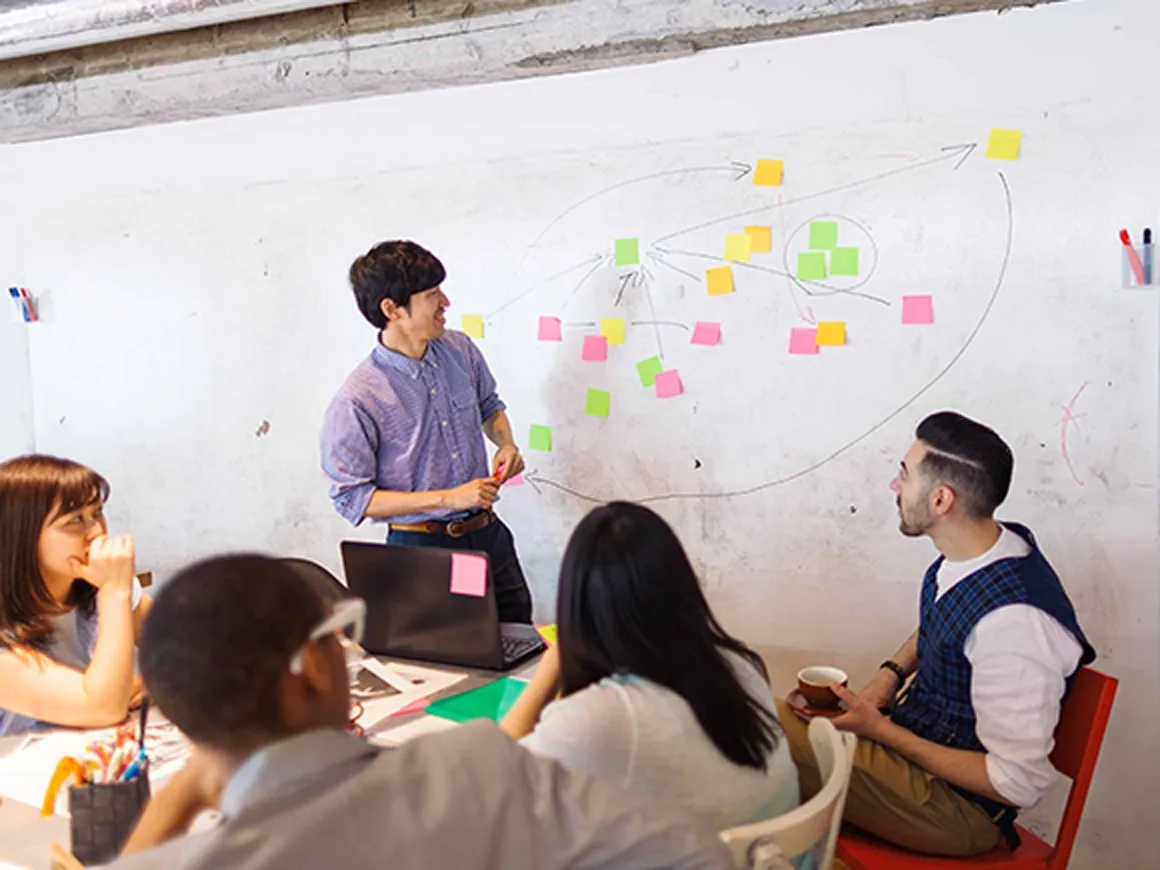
{"x":454,"y":529}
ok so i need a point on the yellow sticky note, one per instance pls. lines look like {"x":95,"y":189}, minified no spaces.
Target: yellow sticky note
{"x":473,"y":325}
{"x":1004,"y":144}
{"x":831,"y":333}
{"x":548,"y":632}
{"x":737,"y":247}
{"x":612,"y":328}
{"x":768,"y":173}
{"x":760,"y":240}
{"x":720,"y":280}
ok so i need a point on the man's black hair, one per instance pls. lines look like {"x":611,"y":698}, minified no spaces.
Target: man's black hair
{"x":969,"y":458}
{"x":393,"y":270}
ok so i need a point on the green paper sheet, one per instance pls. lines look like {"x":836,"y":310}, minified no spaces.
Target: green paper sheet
{"x":487,"y":702}
{"x":823,"y":235}
{"x":811,"y":266}
{"x":844,"y":261}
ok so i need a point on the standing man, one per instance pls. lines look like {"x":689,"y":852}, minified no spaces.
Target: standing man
{"x":963,"y":748}
{"x":402,"y":442}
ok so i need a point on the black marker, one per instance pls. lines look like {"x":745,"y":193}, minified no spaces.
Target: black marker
{"x":1147,"y":256}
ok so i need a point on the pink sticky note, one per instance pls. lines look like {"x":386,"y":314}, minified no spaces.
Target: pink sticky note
{"x":468,"y":575}
{"x":669,"y":384}
{"x":706,"y":333}
{"x":595,"y":348}
{"x":518,"y":480}
{"x":414,"y":707}
{"x":917,"y":309}
{"x":803,"y":341}
{"x":549,"y":329}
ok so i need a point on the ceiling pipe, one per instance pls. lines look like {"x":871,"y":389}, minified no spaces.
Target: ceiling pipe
{"x":31,"y":27}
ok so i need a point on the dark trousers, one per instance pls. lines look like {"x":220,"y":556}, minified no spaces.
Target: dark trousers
{"x":512,"y":598}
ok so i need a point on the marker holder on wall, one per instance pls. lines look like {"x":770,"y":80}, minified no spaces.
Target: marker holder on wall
{"x":1139,"y":266}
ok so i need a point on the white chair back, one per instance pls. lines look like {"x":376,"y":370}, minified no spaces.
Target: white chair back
{"x":769,"y":845}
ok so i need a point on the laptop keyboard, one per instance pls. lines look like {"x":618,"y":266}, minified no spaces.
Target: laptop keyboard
{"x":514,"y":647}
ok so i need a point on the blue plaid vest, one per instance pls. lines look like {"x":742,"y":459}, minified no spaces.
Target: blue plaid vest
{"x":937,"y":705}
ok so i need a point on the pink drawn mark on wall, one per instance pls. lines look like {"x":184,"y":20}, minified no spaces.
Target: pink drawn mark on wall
{"x":1070,"y":418}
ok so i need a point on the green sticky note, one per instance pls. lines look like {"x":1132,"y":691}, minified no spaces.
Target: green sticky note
{"x":844,"y":261}
{"x":823,"y":235}
{"x":811,"y":266}
{"x":627,"y":252}
{"x":648,"y":369}
{"x":487,"y":702}
{"x":540,"y":438}
{"x":597,"y":403}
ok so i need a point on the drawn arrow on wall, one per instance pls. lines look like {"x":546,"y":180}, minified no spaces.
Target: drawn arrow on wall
{"x":965,"y":150}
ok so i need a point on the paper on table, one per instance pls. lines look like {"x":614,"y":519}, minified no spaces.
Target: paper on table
{"x":549,"y":329}
{"x":760,"y":240}
{"x":803,"y":341}
{"x":737,"y":247}
{"x":487,"y":702}
{"x":648,"y":369}
{"x":719,"y":280}
{"x":669,"y":384}
{"x":595,"y":348}
{"x":769,"y":173}
{"x":386,"y":688}
{"x":627,"y":252}
{"x":468,"y":575}
{"x":612,"y":328}
{"x":473,"y":325}
{"x":917,"y":310}
{"x":706,"y":333}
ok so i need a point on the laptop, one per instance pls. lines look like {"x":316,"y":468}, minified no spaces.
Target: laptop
{"x":413,"y":614}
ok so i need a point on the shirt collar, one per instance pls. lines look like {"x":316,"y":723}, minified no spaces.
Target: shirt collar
{"x":386,"y":358}
{"x":276,"y":768}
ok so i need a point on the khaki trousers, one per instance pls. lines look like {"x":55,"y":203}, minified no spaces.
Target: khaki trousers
{"x":895,"y":799}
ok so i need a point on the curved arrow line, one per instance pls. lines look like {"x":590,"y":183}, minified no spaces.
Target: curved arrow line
{"x":595,"y":258}
{"x":658,"y":259}
{"x":683,"y":326}
{"x":743,"y":169}
{"x":848,"y":186}
{"x":584,"y":280}
{"x":812,"y":468}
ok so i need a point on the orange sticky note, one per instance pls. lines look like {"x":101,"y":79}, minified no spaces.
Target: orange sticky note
{"x":831,"y":333}
{"x":768,"y":173}
{"x":737,"y":247}
{"x":720,"y":280}
{"x":760,"y":240}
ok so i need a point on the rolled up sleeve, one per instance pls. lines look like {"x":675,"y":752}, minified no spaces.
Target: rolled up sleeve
{"x":485,"y":384}
{"x":349,"y":447}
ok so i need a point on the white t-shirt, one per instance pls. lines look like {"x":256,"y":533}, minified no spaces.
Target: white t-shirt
{"x":644,"y":738}
{"x":72,"y":646}
{"x":1020,"y":661}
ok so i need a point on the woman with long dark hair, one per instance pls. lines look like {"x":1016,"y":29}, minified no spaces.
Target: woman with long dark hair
{"x":70,"y":604}
{"x":654,"y":695}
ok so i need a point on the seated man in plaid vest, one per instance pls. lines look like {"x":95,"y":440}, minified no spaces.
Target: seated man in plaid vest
{"x":946,"y":765}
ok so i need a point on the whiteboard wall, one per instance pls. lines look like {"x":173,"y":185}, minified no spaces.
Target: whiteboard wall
{"x":192,"y":281}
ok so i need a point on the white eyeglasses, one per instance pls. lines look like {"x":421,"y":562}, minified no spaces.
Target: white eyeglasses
{"x":349,"y":617}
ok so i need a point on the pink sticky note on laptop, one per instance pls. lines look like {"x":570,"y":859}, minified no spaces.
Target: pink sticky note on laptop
{"x":803,"y":341}
{"x":468,"y":575}
{"x":668,"y":384}
{"x":595,"y":348}
{"x":549,"y":329}
{"x":917,"y":310}
{"x":706,"y":333}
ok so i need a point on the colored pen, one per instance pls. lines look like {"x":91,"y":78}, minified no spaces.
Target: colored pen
{"x":1147,"y":255}
{"x":1133,"y":258}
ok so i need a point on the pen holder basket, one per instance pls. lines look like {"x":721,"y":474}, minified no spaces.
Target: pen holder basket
{"x":1145,"y":255}
{"x":102,"y":815}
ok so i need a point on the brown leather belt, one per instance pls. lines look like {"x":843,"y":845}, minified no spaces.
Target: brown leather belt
{"x":452,"y":529}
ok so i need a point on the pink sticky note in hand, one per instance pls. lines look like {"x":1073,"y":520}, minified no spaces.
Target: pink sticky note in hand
{"x":803,"y":341}
{"x":706,"y":333}
{"x":669,"y":384}
{"x":468,"y":575}
{"x":549,"y":329}
{"x":595,"y":348}
{"x":917,"y":310}
{"x":518,"y":480}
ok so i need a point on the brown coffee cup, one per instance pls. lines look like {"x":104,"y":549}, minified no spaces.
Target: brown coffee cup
{"x":815,"y":683}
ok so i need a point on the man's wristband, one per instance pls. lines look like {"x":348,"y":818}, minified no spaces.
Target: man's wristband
{"x":896,"y":668}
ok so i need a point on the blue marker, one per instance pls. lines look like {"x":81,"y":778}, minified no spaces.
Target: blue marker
{"x":1147,"y":257}
{"x":14,"y":292}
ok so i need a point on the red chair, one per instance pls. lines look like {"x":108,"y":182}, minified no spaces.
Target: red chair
{"x":1077,"y":747}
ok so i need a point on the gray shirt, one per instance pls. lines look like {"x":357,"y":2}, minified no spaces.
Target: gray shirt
{"x":467,"y":798}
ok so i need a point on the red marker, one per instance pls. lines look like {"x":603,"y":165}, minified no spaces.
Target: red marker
{"x":499,"y":473}
{"x":1133,"y":257}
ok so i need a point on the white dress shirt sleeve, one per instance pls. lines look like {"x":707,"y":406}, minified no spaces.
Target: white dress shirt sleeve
{"x":1020,"y":659}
